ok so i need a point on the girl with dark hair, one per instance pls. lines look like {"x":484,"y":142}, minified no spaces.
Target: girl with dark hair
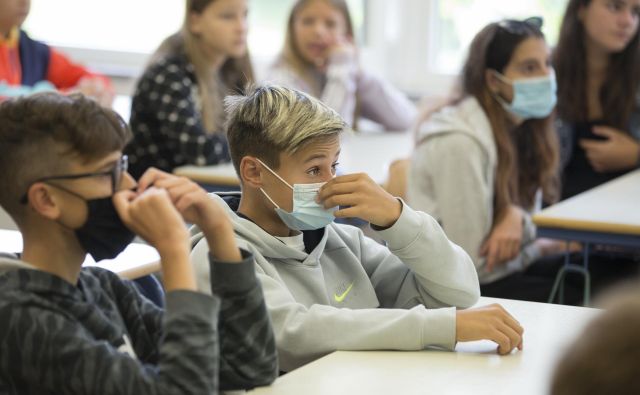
{"x":485,"y":162}
{"x":177,"y":114}
{"x":598,"y":66}
{"x":320,"y":58}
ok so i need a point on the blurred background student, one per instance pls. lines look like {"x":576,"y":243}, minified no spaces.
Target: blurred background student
{"x":485,"y":162}
{"x":28,"y":66}
{"x":177,"y":113}
{"x":597,"y":60}
{"x":320,"y":58}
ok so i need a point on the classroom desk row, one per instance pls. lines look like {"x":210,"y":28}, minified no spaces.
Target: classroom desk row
{"x":137,"y":260}
{"x":608,"y":214}
{"x":474,"y":368}
{"x":367,"y":152}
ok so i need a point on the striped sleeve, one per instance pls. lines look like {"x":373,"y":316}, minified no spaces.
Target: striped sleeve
{"x":248,"y":356}
{"x":57,"y":355}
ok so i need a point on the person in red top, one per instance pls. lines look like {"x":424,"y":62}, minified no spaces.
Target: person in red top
{"x":28,"y":66}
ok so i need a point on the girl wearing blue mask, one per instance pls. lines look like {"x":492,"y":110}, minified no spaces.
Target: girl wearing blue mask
{"x":484,"y":162}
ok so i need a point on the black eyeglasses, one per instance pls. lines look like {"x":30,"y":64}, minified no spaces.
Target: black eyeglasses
{"x":520,"y":27}
{"x":115,"y":173}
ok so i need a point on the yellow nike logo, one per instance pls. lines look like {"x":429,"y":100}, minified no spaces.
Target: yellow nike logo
{"x":340,"y":298}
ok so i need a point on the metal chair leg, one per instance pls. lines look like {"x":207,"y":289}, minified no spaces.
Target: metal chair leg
{"x":558,"y":284}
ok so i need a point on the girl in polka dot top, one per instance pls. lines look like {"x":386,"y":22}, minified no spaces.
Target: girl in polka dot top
{"x":177,"y":113}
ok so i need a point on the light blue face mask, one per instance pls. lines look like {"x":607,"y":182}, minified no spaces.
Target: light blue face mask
{"x":306,"y":213}
{"x":532,"y":97}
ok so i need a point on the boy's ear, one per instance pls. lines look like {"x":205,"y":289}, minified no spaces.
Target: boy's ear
{"x":42,"y":201}
{"x":251,"y":172}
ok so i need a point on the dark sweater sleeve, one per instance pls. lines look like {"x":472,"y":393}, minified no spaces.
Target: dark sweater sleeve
{"x":64,"y":358}
{"x":167,"y":124}
{"x":248,"y":356}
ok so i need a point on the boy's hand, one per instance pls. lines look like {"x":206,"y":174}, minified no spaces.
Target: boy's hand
{"x":491,"y":322}
{"x":153,"y":217}
{"x":504,"y":241}
{"x":363,"y":199}
{"x":195,"y":206}
{"x":191,"y":200}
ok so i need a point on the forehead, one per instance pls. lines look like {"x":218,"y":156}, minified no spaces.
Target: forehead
{"x":322,"y":148}
{"x":320,"y":7}
{"x":225,"y":4}
{"x":79,"y":164}
{"x":529,"y":49}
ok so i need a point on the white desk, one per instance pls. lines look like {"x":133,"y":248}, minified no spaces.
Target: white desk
{"x":474,"y":369}
{"x":223,"y":174}
{"x":368,"y":152}
{"x":609,"y":214}
{"x":135,"y":261}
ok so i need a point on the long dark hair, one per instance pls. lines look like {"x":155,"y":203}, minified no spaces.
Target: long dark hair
{"x":618,"y":92}
{"x":527,"y":154}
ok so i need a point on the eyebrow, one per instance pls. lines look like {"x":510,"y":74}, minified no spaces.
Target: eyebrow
{"x":319,"y":156}
{"x":108,"y":165}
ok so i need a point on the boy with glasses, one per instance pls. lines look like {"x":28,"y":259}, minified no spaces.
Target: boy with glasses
{"x":73,"y":330}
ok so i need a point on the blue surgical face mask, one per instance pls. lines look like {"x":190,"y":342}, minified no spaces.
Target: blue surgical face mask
{"x":532,"y":97}
{"x":307,"y":214}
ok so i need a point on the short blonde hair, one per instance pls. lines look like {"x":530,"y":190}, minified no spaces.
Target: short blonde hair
{"x":271,"y":119}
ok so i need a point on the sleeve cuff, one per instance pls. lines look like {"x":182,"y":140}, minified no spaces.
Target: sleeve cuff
{"x":232,"y":278}
{"x":439,"y":329}
{"x":400,"y":234}
{"x":181,"y":303}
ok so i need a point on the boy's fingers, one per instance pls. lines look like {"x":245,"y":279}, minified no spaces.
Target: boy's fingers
{"x":348,"y":212}
{"x":514,"y":337}
{"x":340,"y":200}
{"x":150,"y":177}
{"x":121,"y":202}
{"x":335,"y":189}
{"x":504,"y":344}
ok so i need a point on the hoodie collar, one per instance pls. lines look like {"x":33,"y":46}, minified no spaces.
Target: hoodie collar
{"x":268,"y":245}
{"x":25,"y":277}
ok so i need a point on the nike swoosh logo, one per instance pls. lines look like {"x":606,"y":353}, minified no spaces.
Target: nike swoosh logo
{"x":340,"y":298}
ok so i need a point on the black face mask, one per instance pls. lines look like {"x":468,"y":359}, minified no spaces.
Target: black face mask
{"x":104,"y":235}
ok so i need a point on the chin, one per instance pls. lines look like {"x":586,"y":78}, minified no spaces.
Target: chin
{"x":238,"y":53}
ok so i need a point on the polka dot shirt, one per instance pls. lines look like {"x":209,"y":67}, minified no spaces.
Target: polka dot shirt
{"x":167,"y":127}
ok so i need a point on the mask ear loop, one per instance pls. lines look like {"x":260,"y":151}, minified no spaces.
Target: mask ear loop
{"x":496,"y":95}
{"x":274,"y":173}
{"x":277,"y":176}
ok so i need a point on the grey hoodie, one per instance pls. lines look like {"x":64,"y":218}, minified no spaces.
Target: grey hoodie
{"x":351,"y":293}
{"x":452,"y":177}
